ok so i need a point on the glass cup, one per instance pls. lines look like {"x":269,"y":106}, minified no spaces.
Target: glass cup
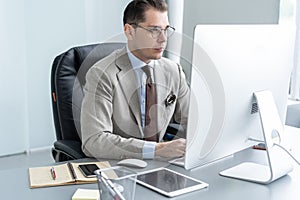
{"x":116,"y":183}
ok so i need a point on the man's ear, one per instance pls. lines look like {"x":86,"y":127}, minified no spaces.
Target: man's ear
{"x":129,"y":31}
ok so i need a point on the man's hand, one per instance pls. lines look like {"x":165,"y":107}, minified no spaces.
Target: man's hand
{"x":171,"y":149}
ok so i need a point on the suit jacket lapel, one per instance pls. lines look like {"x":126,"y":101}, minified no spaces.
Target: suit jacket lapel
{"x":128,"y":83}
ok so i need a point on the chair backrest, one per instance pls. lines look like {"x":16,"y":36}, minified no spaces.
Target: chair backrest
{"x":67,"y":81}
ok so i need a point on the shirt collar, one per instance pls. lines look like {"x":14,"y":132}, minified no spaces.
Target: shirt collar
{"x":136,"y":62}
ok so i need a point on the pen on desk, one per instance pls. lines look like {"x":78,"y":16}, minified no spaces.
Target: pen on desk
{"x":53,"y":174}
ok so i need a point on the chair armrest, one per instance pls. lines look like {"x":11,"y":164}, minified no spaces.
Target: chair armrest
{"x":173,"y":130}
{"x":67,"y":150}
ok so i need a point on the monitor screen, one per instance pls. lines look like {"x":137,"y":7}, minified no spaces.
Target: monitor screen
{"x":229,"y":64}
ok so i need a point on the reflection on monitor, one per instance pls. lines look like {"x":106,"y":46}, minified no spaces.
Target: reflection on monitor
{"x":229,"y":64}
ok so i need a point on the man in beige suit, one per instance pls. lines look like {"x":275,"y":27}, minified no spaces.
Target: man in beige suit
{"x":113,"y":109}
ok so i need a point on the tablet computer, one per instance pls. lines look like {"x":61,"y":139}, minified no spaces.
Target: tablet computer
{"x":169,"y":182}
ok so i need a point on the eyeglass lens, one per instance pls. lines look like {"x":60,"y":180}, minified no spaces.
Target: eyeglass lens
{"x":167,"y":32}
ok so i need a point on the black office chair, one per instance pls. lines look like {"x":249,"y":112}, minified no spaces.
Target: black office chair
{"x":67,"y":81}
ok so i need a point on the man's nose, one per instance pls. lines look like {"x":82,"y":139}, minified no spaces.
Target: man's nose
{"x":163,"y":36}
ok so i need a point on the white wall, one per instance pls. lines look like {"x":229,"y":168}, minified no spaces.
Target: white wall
{"x":13,"y":92}
{"x":104,"y":19}
{"x":33,"y":32}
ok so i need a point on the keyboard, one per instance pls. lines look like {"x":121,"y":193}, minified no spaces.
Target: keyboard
{"x":178,"y":161}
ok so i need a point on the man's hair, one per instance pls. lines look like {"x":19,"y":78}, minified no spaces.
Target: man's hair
{"x":135,"y":10}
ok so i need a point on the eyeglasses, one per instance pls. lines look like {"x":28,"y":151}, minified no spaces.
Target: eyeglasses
{"x":156,"y":31}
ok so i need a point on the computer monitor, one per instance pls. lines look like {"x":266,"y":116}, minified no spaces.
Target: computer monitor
{"x":229,"y":64}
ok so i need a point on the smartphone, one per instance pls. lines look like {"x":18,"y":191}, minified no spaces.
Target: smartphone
{"x":88,"y":170}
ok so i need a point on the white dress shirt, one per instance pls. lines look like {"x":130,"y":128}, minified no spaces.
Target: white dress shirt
{"x":137,"y":64}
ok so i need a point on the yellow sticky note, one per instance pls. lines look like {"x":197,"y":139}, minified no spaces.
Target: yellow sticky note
{"x":86,"y":194}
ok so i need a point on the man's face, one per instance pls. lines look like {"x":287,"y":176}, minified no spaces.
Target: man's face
{"x":143,"y":45}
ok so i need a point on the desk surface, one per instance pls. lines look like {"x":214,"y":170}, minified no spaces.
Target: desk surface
{"x":14,"y":184}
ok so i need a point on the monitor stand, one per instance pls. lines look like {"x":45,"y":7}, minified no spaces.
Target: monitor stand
{"x":279,"y":163}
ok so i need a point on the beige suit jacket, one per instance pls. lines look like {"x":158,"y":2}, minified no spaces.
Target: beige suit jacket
{"x":111,"y":125}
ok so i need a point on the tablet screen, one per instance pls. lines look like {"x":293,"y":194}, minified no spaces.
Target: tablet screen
{"x":169,"y":182}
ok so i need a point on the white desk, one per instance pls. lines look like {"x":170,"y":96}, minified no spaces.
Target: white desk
{"x":14,"y":184}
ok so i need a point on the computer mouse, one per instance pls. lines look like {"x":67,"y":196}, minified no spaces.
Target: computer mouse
{"x":133,"y":162}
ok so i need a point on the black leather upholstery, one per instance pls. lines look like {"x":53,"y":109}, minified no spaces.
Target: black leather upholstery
{"x":67,"y":80}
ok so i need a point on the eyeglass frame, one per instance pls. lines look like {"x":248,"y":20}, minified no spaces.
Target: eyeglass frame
{"x":160,"y":30}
